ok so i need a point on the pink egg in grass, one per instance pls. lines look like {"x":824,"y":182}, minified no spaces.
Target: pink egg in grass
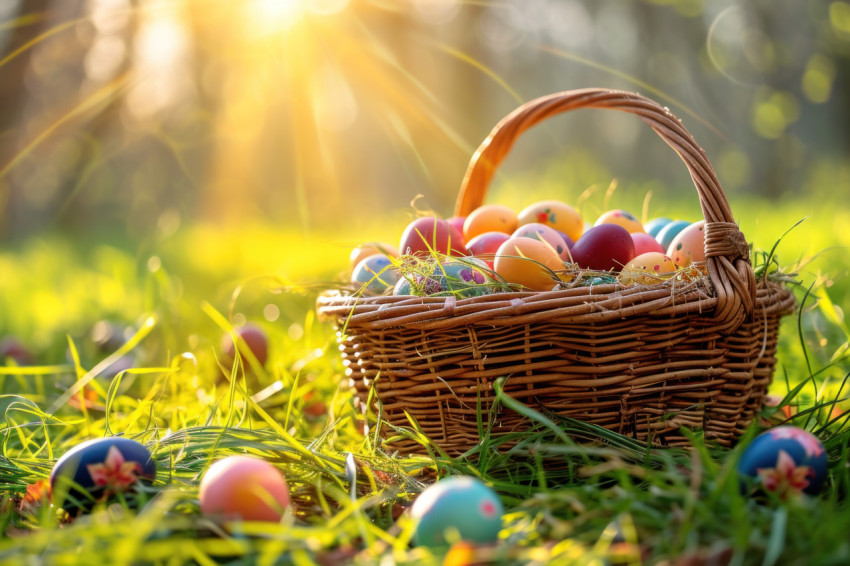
{"x":243,"y":488}
{"x":428,"y":234}
{"x":645,"y":243}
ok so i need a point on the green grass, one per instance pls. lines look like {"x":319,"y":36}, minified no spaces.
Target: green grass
{"x":180,"y":294}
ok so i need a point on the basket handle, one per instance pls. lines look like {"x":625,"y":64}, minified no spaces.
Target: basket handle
{"x":726,"y":249}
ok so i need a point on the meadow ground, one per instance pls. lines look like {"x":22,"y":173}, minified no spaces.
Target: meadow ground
{"x":179,"y":292}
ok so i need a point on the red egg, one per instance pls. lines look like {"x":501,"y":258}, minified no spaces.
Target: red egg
{"x":486,"y":245}
{"x":645,"y":243}
{"x":428,"y":235}
{"x":604,"y":248}
{"x":243,"y":488}
{"x":256,"y":340}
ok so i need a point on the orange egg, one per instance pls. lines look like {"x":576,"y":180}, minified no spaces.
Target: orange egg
{"x":556,"y":214}
{"x":647,"y":269}
{"x":622,"y":218}
{"x":489,"y":218}
{"x":363,"y":251}
{"x":528,"y":262}
{"x":243,"y":488}
{"x":689,"y":245}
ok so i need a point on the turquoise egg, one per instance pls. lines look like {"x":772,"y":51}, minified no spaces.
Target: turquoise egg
{"x":654,"y":226}
{"x":98,"y":468}
{"x":670,"y":231}
{"x":460,"y":504}
{"x":375,"y":274}
{"x":469,"y":277}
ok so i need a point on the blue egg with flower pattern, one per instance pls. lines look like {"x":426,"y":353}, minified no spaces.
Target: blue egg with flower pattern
{"x":467,"y":277}
{"x":785,"y":460}
{"x":99,"y":468}
{"x":460,"y":506}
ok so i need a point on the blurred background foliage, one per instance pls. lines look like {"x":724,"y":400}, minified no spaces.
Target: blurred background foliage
{"x":135,"y":117}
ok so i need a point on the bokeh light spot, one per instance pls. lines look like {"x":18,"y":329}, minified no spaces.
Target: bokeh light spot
{"x":271,"y":312}
{"x":818,"y":78}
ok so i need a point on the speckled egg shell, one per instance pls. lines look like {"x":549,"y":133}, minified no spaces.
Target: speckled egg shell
{"x":554,"y":213}
{"x":666,"y":235}
{"x":544,"y":233}
{"x":377,"y":273}
{"x":785,"y":460}
{"x":489,"y":218}
{"x":527,"y":262}
{"x":463,"y":504}
{"x":647,"y":269}
{"x":89,"y":469}
{"x":622,"y":218}
{"x":654,"y":226}
{"x":689,"y":245}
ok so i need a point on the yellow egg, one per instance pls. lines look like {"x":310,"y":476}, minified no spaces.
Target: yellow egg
{"x":363,"y":251}
{"x":528,"y":262}
{"x":554,"y":213}
{"x":647,"y":269}
{"x":689,"y":245}
{"x":625,"y":219}
{"x":489,"y":218}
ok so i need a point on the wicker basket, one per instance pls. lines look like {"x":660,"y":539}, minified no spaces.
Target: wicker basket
{"x":644,"y":361}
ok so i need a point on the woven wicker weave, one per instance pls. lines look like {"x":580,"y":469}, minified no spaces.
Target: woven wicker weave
{"x":644,"y":361}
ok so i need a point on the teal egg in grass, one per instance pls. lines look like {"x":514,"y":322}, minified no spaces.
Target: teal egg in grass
{"x":670,"y":231}
{"x":654,"y":226}
{"x":468,"y":277}
{"x":460,"y":504}
{"x":377,"y":273}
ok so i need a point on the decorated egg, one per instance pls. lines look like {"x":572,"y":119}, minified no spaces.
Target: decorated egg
{"x":243,"y":488}
{"x":647,"y":269}
{"x":418,"y":284}
{"x":255,"y":339}
{"x":429,"y":235}
{"x":489,"y":218}
{"x":689,"y":245}
{"x":604,"y":248}
{"x":622,"y":218}
{"x":485,"y":246}
{"x":527,"y":262}
{"x":363,"y":251}
{"x":785,"y":460}
{"x":546,"y":234}
{"x":99,"y":468}
{"x":467,"y":277}
{"x":666,"y":234}
{"x":375,"y":274}
{"x":464,"y":505}
{"x":556,"y":214}
{"x":645,"y":243}
{"x":652,"y":227}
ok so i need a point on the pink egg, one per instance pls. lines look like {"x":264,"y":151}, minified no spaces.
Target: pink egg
{"x":647,"y":269}
{"x":243,"y":488}
{"x":527,"y":262}
{"x":689,"y":245}
{"x":645,"y":243}
{"x":604,"y":248}
{"x":486,"y":245}
{"x":429,"y":235}
{"x":547,"y":234}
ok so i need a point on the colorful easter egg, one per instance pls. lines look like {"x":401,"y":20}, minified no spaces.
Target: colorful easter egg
{"x":429,"y":235}
{"x":666,"y":234}
{"x":485,"y":246}
{"x":645,"y":243}
{"x":243,"y":488}
{"x":528,"y":262}
{"x":98,"y":468}
{"x":785,"y":460}
{"x":654,"y":226}
{"x":556,"y":214}
{"x":254,"y":337}
{"x":689,"y":245}
{"x":489,"y":218}
{"x":647,"y":269}
{"x":622,"y":218}
{"x":604,"y":248}
{"x":467,"y":277}
{"x":363,"y":251}
{"x":547,"y":234}
{"x":375,"y":274}
{"x":462,"y":507}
